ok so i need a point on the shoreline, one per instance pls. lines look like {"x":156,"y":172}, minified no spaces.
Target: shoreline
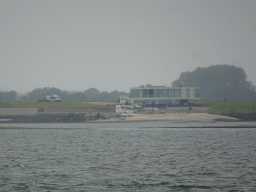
{"x":103,"y":117}
{"x":174,"y":127}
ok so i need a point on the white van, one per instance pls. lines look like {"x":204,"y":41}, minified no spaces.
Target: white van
{"x":125,"y":109}
{"x":53,"y":98}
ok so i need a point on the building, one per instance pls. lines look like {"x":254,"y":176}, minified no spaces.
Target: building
{"x":160,"y":96}
{"x":124,"y":99}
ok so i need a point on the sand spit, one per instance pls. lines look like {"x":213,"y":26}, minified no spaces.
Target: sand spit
{"x":176,"y":118}
{"x":115,"y":117}
{"x":168,"y":117}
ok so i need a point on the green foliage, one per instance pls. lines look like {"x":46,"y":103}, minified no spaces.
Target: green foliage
{"x":39,"y":93}
{"x":34,"y":104}
{"x":139,"y":102}
{"x":8,"y":96}
{"x":226,"y":107}
{"x":219,"y":82}
{"x":91,"y":94}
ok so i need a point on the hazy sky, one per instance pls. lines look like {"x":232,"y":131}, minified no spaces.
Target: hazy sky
{"x":114,"y":45}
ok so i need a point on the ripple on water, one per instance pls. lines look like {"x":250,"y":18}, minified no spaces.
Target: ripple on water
{"x":105,"y":158}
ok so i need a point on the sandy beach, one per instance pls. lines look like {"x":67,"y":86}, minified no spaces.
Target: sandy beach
{"x":173,"y":117}
{"x":31,"y":116}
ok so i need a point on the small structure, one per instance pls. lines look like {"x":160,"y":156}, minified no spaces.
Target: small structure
{"x":124,"y":99}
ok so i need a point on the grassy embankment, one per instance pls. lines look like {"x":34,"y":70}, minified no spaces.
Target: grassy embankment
{"x":226,"y":107}
{"x":216,"y":106}
{"x":34,"y":104}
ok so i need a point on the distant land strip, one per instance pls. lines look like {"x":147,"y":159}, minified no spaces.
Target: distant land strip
{"x":192,"y":127}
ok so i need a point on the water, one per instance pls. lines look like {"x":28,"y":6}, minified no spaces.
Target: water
{"x":127,"y":157}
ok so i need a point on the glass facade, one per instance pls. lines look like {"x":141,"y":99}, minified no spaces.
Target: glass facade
{"x":151,"y":93}
{"x":171,"y":93}
{"x":155,"y":93}
{"x":164,"y":102}
{"x":145,"y":93}
{"x":161,"y":97}
{"x":187,"y":93}
{"x":165,"y":93}
{"x":196,"y":93}
{"x":177,"y":93}
{"x":136,"y":93}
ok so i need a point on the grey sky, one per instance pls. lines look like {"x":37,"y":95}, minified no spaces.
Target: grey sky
{"x":114,"y":45}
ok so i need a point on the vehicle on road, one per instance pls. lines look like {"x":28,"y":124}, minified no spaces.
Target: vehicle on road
{"x":125,"y":109}
{"x":52,"y":98}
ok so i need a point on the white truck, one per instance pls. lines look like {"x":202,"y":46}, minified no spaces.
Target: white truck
{"x":52,"y":98}
{"x":125,"y":109}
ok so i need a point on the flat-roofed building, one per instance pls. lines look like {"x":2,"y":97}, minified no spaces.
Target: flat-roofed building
{"x":124,"y":99}
{"x":159,"y":96}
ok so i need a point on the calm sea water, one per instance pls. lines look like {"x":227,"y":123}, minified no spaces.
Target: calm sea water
{"x":128,"y":157}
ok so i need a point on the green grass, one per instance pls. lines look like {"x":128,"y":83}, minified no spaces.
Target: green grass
{"x":226,"y":107}
{"x":34,"y":104}
{"x":216,"y":106}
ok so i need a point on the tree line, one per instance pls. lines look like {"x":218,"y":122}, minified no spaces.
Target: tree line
{"x":219,"y":83}
{"x":8,"y":96}
{"x":91,"y":94}
{"x":216,"y":82}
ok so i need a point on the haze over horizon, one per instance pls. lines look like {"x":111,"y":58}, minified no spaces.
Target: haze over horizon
{"x":115,"y":45}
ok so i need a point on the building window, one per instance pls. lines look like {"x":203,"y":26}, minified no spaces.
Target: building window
{"x":132,"y":93}
{"x":177,"y":93}
{"x":165,"y":93}
{"x":196,"y":93}
{"x":151,"y":93}
{"x":187,"y":93}
{"x":157,"y":93}
{"x":136,"y":93}
{"x":144,"y":93}
{"x":171,"y":93}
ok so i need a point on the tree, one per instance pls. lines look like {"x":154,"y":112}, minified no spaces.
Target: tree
{"x":104,"y":96}
{"x":8,"y":96}
{"x":39,"y":93}
{"x":78,"y":96}
{"x":92,"y":94}
{"x":217,"y":82}
{"x":115,"y":95}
